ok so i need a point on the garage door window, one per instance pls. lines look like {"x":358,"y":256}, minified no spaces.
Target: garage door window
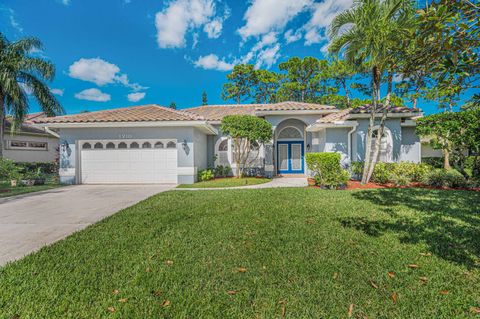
{"x":134,"y":145}
{"x":159,"y":145}
{"x":110,"y":145}
{"x":171,"y":145}
{"x":86,"y":146}
{"x":122,"y":145}
{"x":98,"y":145}
{"x":146,"y":145}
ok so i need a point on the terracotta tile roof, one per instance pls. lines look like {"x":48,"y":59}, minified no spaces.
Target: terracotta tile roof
{"x":144,"y":113}
{"x":23,"y":128}
{"x":333,"y":117}
{"x":293,"y":106}
{"x":391,"y":109}
{"x":365,"y":109}
{"x":218,"y":112}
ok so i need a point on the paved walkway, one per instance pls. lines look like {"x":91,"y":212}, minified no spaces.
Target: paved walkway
{"x":29,"y":222}
{"x":276,"y":182}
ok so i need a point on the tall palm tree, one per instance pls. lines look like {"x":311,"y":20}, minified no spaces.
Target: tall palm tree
{"x":366,"y":35}
{"x":19,"y":71}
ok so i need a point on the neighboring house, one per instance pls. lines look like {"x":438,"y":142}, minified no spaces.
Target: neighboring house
{"x":29,"y":143}
{"x":154,"y":144}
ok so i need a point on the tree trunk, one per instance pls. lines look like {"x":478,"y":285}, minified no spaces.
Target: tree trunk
{"x":373,"y":111}
{"x":446,"y":161}
{"x":236,"y":157}
{"x":381,"y":129}
{"x":2,"y":125}
{"x":347,"y":93}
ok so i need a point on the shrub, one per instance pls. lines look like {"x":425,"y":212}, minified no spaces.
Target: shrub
{"x":223,"y":171}
{"x":382,"y":173}
{"x":327,"y":169}
{"x":442,"y":178}
{"x":205,"y":175}
{"x":9,"y":170}
{"x":45,"y":167}
{"x":357,"y":169}
{"x":401,"y":180}
{"x":436,"y":162}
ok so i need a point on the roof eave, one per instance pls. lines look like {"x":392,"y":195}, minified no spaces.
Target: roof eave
{"x":336,"y":124}
{"x":294,"y":112}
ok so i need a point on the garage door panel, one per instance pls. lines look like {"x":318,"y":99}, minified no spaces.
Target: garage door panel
{"x":129,"y":166}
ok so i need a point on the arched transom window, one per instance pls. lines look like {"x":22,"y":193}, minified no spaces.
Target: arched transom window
{"x":290,"y":132}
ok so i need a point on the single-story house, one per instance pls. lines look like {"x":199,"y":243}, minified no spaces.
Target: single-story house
{"x":29,"y":143}
{"x":155,"y":144}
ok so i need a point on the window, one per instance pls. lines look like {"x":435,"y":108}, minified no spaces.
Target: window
{"x":27,"y":145}
{"x":18,"y":144}
{"x":98,"y":145}
{"x":171,"y":144}
{"x":223,"y":147}
{"x":87,"y":146}
{"x":134,"y":145}
{"x":110,"y":145}
{"x":122,"y":145}
{"x":290,"y":132}
{"x":146,"y":145}
{"x":159,"y":145}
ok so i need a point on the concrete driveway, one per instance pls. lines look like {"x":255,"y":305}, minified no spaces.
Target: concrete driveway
{"x":29,"y":222}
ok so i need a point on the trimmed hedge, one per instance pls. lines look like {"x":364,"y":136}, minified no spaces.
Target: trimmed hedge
{"x":46,"y":168}
{"x":327,"y":169}
{"x":398,"y":173}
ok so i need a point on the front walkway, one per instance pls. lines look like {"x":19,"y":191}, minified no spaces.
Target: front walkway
{"x":29,"y":222}
{"x":276,"y":182}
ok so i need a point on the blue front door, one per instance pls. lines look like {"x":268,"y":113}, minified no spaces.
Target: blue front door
{"x":290,"y":157}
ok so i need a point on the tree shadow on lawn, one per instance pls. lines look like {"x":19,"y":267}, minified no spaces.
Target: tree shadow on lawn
{"x":448,"y":222}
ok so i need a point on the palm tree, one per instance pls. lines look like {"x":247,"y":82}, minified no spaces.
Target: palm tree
{"x":19,"y":71}
{"x":367,"y":35}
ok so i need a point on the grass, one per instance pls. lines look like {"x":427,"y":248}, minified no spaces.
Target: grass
{"x":265,"y":253}
{"x":6,"y":190}
{"x":227,"y":182}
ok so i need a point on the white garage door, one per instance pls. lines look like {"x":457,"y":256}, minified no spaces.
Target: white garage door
{"x":128,"y":161}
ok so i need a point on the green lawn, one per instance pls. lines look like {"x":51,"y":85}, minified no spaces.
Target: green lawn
{"x":266,"y":253}
{"x":227,"y":182}
{"x":6,"y":190}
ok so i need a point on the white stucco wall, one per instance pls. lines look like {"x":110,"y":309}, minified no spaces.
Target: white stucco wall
{"x":200,"y":149}
{"x":428,"y":151}
{"x":410,"y":150}
{"x":186,"y":160}
{"x":19,"y":155}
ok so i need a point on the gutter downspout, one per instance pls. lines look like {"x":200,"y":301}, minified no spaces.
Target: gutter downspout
{"x":354,"y":128}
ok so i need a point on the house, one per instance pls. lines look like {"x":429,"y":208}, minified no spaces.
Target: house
{"x":29,"y":143}
{"x":154,"y":144}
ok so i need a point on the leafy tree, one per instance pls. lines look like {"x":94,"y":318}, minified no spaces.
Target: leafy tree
{"x":446,"y":46}
{"x":473,"y":103}
{"x":246,"y":131}
{"x":303,"y":79}
{"x":240,"y":85}
{"x":266,"y":86}
{"x":173,"y":105}
{"x":365,"y":35}
{"x":457,"y":132}
{"x":204,"y":98}
{"x":341,"y":72}
{"x":20,"y":71}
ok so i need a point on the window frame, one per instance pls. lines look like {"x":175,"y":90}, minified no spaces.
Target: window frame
{"x":27,"y":146}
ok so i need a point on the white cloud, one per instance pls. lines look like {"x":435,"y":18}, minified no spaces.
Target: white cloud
{"x":57,"y":91}
{"x":13,"y":22}
{"x":291,"y":36}
{"x":212,"y":62}
{"x":66,"y":2}
{"x":268,"y":56}
{"x":264,"y":16}
{"x":323,"y":14}
{"x":135,"y":97}
{"x":213,"y":29}
{"x":93,"y":95}
{"x":181,"y":16}
{"x":100,"y":72}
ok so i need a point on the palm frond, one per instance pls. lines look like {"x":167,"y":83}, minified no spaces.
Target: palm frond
{"x":42,"y":94}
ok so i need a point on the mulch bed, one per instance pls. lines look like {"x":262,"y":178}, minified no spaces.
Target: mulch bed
{"x":357,"y":185}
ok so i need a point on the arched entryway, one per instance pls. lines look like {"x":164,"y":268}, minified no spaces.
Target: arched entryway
{"x":290,"y":147}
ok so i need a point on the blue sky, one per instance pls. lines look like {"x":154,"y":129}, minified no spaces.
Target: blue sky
{"x":116,"y":53}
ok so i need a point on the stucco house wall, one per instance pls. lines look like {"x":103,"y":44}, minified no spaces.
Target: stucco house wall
{"x":410,"y":150}
{"x":31,"y":155}
{"x":187,"y":169}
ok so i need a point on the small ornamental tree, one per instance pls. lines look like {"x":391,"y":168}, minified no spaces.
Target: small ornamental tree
{"x":245,"y":131}
{"x":452,"y":132}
